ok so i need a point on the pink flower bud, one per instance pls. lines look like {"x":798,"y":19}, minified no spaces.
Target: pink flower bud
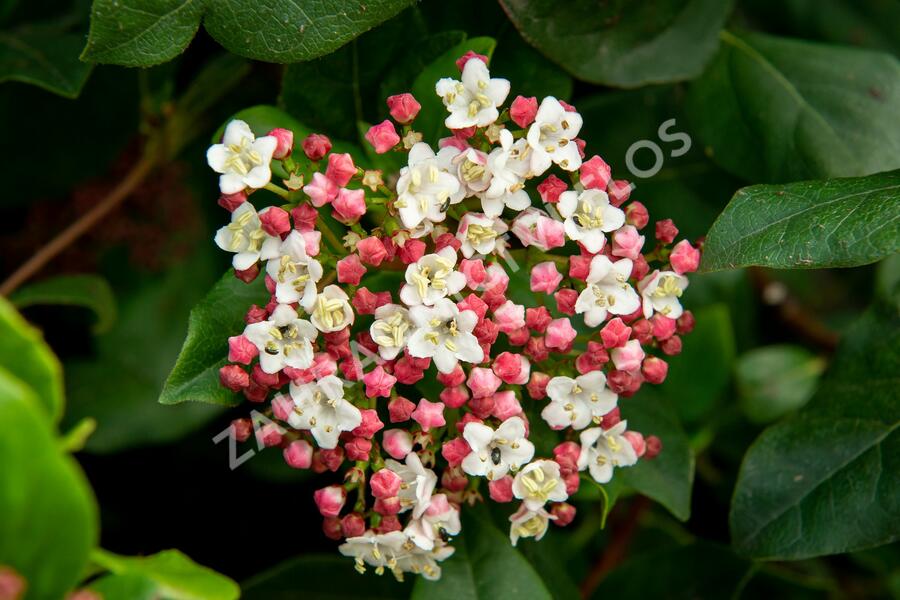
{"x":637,"y":442}
{"x":509,"y":316}
{"x":304,"y":217}
{"x":564,"y":513}
{"x":370,"y":424}
{"x":671,"y":346}
{"x":595,"y":173}
{"x":560,"y":334}
{"x":255,"y":392}
{"x":397,"y":443}
{"x":642,"y":331}
{"x":483,"y":382}
{"x":379,"y":383}
{"x":565,"y":301}
{"x":264,"y":379}
{"x":579,"y":267}
{"x":400,"y":409}
{"x":298,"y":454}
{"x":519,"y":337}
{"x":385,"y":484}
{"x":241,"y":350}
{"x":340,"y":169}
{"x":330,"y":500}
{"x":474,"y":271}
{"x":666,"y":231}
{"x":241,"y":429}
{"x":454,"y":397}
{"x":269,"y":435}
{"x":640,"y":268}
{"x":411,"y":251}
{"x":403,"y":107}
{"x":619,"y":191}
{"x":364,"y":301}
{"x":545,"y":277}
{"x":371,"y":251}
{"x":628,"y":357}
{"x":231,"y":201}
{"x":453,"y":479}
{"x":686,"y":322}
{"x":455,"y":450}
{"x":475,"y":304}
{"x":12,"y":585}
{"x":615,"y":333}
{"x":511,"y":368}
{"x":388,"y":524}
{"x":624,"y":383}
{"x":320,"y":190}
{"x":523,"y":110}
{"x":247,"y":275}
{"x":274,"y":220}
{"x":627,"y":242}
{"x":383,"y":136}
{"x":332,"y":458}
{"x":482,"y":407}
{"x":566,"y":454}
{"x":255,"y":314}
{"x":316,"y":146}
{"x":538,"y":318}
{"x":350,"y":269}
{"x":234,"y":378}
{"x":573,"y":481}
{"x":684,"y":258}
{"x":506,"y":405}
{"x":358,"y":448}
{"x":551,"y":188}
{"x":654,"y":446}
{"x":353,"y":525}
{"x":662,"y":327}
{"x":429,"y":414}
{"x":462,"y":60}
{"x":349,"y":205}
{"x":636,"y":214}
{"x":285,"y":142}
{"x":331,"y":527}
{"x":446,"y":240}
{"x":611,"y":419}
{"x":536,"y":349}
{"x":501,"y":489}
{"x":406,"y":372}
{"x":387,"y":506}
{"x":537,"y":385}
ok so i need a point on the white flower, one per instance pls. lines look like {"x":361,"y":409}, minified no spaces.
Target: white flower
{"x":284,"y":340}
{"x":602,"y":450}
{"x":478,"y":233}
{"x":495,"y":453}
{"x":376,"y":550}
{"x":577,"y":402}
{"x":242,"y":159}
{"x":390,"y":330}
{"x":425,"y":190}
{"x":553,"y":134}
{"x":510,"y":165}
{"x":418,"y":484}
{"x":472,"y":170}
{"x":539,"y":482}
{"x":661,"y":291}
{"x":474,"y":100}
{"x":424,"y":562}
{"x":528,"y":524}
{"x":295,"y":273}
{"x":444,"y":333}
{"x":431,"y":278}
{"x":331,"y":311}
{"x":607,"y":291}
{"x":321,"y":407}
{"x":439,"y":521}
{"x":588,"y":215}
{"x":246,"y":238}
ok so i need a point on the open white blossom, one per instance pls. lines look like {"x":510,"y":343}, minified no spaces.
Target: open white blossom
{"x":539,"y":482}
{"x":496,"y":453}
{"x":602,"y":450}
{"x":425,"y":562}
{"x":478,"y":234}
{"x":510,"y":165}
{"x":390,"y":330}
{"x":418,"y":484}
{"x":242,"y":159}
{"x":589,"y":215}
{"x":607,"y":291}
{"x":283,"y":340}
{"x":444,"y":333}
{"x":295,"y":273}
{"x":472,"y":170}
{"x":381,"y":551}
{"x":431,"y":278}
{"x":436,"y":525}
{"x":474,"y":100}
{"x":331,"y":311}
{"x":245,"y":237}
{"x":660,"y":291}
{"x":576,"y":402}
{"x":426,"y":189}
{"x":321,"y":408}
{"x":553,"y":134}
{"x":525,"y":523}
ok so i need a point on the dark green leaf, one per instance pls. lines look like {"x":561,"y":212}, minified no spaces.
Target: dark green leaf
{"x":824,"y":482}
{"x":24,"y":353}
{"x":776,"y":380}
{"x":401,"y":76}
{"x":484,"y":566}
{"x":771,"y":109}
{"x":142,"y":33}
{"x":44,"y":57}
{"x":529,"y":73}
{"x":88,"y":291}
{"x":623,"y":44}
{"x":48,"y":520}
{"x":220,"y":315}
{"x":808,"y":225}
{"x":175,"y":575}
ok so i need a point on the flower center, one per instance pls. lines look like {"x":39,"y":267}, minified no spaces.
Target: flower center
{"x":329,"y":311}
{"x":242,"y":157}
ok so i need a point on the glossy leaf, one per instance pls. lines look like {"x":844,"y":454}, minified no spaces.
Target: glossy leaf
{"x":48,"y":520}
{"x":823,"y":482}
{"x":808,"y":225}
{"x":44,"y":57}
{"x":88,"y":291}
{"x":773,"y":109}
{"x":775,"y":380}
{"x":623,"y":44}
{"x":142,"y":33}
{"x":24,"y":353}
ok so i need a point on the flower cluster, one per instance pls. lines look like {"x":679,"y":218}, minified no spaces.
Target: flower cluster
{"x":418,"y":294}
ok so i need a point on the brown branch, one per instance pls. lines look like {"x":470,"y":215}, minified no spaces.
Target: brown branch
{"x":617,"y":549}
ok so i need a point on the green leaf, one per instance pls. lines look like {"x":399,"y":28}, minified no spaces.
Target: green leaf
{"x":669,"y":477}
{"x":623,"y":44}
{"x":125,"y":587}
{"x":45,"y":57}
{"x":771,"y":109}
{"x":824,"y":481}
{"x":24,"y":352}
{"x":430,"y":121}
{"x":529,"y":73}
{"x":401,"y":76}
{"x":220,"y":315}
{"x":776,"y":380}
{"x":142,"y":33}
{"x":484,"y":566}
{"x":322,"y":576}
{"x":808,"y":225}
{"x":48,"y":520}
{"x":175,"y":575}
{"x":88,"y":291}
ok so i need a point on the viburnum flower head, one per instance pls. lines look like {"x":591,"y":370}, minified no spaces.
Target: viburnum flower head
{"x":577,"y":402}
{"x":283,"y":340}
{"x":245,"y":237}
{"x":321,"y":408}
{"x":589,"y":216}
{"x":553,"y":134}
{"x":496,"y":452}
{"x":602,"y":450}
{"x":426,"y":188}
{"x":444,"y":333}
{"x":474,"y":100}
{"x":295,"y":273}
{"x":607,"y":291}
{"x":242,"y":159}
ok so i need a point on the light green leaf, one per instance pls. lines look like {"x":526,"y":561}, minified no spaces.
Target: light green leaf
{"x":45,"y":57}
{"x":776,"y":380}
{"x":48,"y":519}
{"x":623,"y":44}
{"x":772,"y":109}
{"x":88,"y":291}
{"x":24,"y":353}
{"x":808,"y":225}
{"x":220,"y":315}
{"x":125,"y":587}
{"x":175,"y":575}
{"x":142,"y":33}
{"x":824,"y":481}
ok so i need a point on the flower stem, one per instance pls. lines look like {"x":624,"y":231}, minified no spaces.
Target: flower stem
{"x":277,"y":189}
